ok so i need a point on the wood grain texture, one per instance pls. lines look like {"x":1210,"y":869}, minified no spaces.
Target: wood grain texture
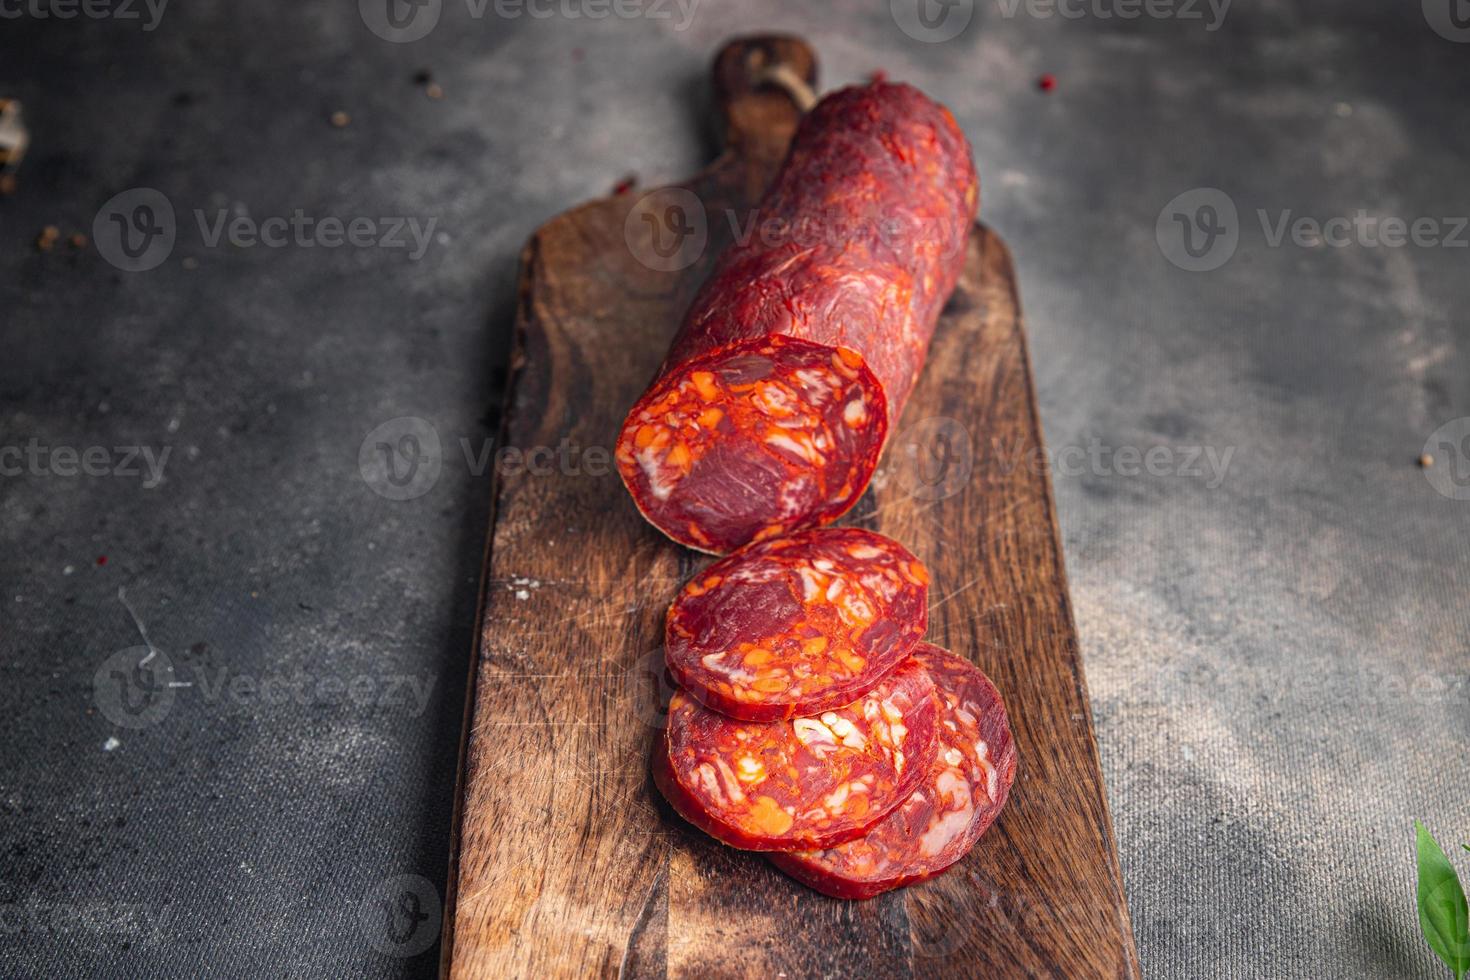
{"x":568,"y":864}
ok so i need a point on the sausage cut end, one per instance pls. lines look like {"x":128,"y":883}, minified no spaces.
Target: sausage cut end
{"x":753,"y":440}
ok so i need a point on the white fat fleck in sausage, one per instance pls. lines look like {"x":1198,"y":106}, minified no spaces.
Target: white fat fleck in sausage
{"x":648,"y":461}
{"x":730,"y":781}
{"x":955,"y":821}
{"x":982,"y":752}
{"x":811,"y":585}
{"x":751,"y":770}
{"x":817,"y":737}
{"x":883,"y":585}
{"x":755,"y":573}
{"x":793,"y":492}
{"x":782,"y":441}
{"x":817,"y":384}
{"x":854,"y":609}
{"x":891,"y":711}
{"x":845,"y":730}
{"x":704,"y":774}
{"x":735,"y":672}
{"x":776,"y":399}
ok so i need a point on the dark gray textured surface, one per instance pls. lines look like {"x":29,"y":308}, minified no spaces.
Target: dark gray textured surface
{"x":1278,"y":656}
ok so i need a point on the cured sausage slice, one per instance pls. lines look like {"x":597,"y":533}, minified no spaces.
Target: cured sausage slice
{"x":798,"y":354}
{"x":797,"y":625}
{"x":960,"y":797}
{"x":806,"y":783}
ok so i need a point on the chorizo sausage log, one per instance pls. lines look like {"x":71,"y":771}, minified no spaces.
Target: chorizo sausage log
{"x":960,"y":797}
{"x":801,"y":784}
{"x":797,"y":625}
{"x":797,"y":355}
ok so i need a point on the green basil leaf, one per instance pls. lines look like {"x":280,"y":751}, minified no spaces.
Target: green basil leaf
{"x":1442,"y":911}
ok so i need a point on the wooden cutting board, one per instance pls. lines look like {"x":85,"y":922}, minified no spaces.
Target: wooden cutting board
{"x":568,"y":863}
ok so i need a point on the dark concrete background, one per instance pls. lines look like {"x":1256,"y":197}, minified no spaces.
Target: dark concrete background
{"x":1277,"y":647}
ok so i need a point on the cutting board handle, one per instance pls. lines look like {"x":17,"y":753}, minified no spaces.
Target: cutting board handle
{"x":758,"y":81}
